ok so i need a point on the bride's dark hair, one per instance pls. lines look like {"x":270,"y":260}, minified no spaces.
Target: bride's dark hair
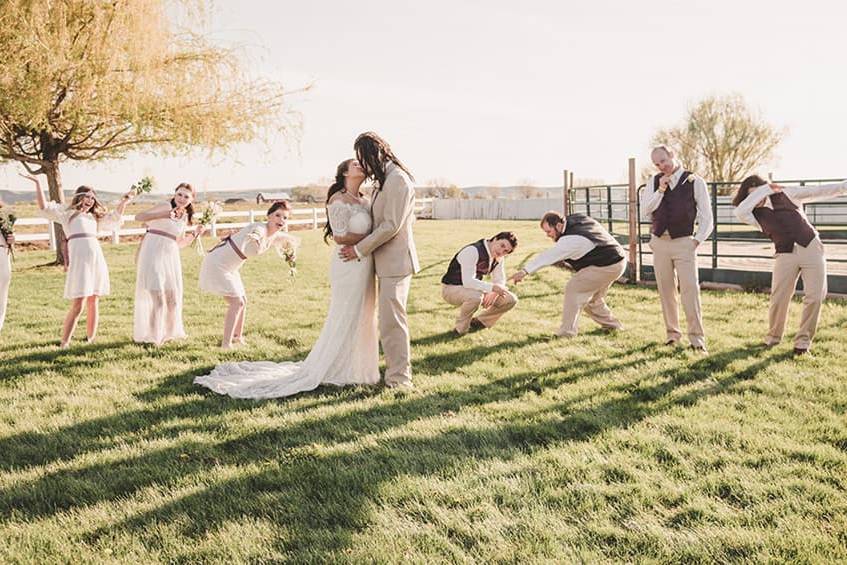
{"x":337,"y":186}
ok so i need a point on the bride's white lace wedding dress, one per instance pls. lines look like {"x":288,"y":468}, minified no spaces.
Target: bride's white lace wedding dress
{"x":346,"y":351}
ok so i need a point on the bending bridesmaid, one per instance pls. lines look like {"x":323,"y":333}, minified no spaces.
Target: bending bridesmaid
{"x":87,"y":276}
{"x":6,"y":242}
{"x":778,"y":212}
{"x":158,"y":284}
{"x":220,"y":275}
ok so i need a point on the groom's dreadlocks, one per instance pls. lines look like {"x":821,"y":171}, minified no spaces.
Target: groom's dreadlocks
{"x":372,"y":152}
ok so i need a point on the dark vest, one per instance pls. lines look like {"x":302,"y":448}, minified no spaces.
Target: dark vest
{"x":607,"y":250}
{"x":784,"y":224}
{"x":678,"y":209}
{"x":454,"y":271}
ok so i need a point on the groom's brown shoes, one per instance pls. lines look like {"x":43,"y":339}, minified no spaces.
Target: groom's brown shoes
{"x":476,"y":325}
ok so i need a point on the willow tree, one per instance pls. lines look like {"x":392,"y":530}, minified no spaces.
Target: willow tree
{"x":722,"y":139}
{"x":86,"y":80}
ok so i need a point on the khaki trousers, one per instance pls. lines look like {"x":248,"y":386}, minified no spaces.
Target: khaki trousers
{"x":394,"y":329}
{"x":586,"y":290}
{"x":810,"y":263}
{"x":469,"y":300}
{"x":674,"y":260}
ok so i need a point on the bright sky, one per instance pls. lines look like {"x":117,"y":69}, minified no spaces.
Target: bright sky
{"x":499,"y":92}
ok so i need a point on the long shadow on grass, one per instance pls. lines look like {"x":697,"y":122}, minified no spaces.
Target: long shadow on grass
{"x":49,"y":356}
{"x":322,"y":498}
{"x":314,"y":477}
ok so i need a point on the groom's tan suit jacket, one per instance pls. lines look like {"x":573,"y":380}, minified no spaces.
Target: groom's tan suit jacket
{"x":393,"y":212}
{"x":395,"y":260}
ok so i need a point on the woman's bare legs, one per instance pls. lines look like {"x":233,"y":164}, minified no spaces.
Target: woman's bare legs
{"x":235,"y":307}
{"x":92,"y":317}
{"x":71,"y":319}
{"x":238,"y":333}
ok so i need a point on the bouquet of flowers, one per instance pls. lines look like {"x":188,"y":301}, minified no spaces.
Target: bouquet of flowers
{"x":210,"y":213}
{"x":143,"y":186}
{"x":7,"y":223}
{"x":286,"y":247}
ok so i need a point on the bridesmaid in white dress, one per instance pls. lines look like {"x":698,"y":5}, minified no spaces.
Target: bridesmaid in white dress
{"x":346,"y":352}
{"x":158,"y":284}
{"x":87,"y":278}
{"x":5,"y":271}
{"x":219,"y":273}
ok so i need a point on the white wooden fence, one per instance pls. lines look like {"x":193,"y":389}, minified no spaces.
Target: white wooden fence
{"x":311,"y":217}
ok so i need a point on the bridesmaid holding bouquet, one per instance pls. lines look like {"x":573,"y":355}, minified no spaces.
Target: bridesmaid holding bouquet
{"x":158,"y":287}
{"x":87,"y":277}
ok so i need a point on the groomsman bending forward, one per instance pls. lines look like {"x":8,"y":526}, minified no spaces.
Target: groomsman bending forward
{"x":586,"y":247}
{"x":463,"y":286}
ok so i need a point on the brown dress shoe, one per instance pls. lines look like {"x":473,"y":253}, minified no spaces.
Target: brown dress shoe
{"x":800,"y":351}
{"x":476,"y":325}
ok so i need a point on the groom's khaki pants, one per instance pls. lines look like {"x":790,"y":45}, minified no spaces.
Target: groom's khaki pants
{"x":675,"y":259}
{"x":810,"y":263}
{"x":469,"y":301}
{"x":394,"y":329}
{"x":587,"y":290}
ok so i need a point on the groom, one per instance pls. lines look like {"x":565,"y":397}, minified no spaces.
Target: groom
{"x":393,"y":249}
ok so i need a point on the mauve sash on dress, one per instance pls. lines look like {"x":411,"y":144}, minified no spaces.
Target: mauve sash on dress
{"x":65,"y":253}
{"x":162,"y":233}
{"x":228,"y":239}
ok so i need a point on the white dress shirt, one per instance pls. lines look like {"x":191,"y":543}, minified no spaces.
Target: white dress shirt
{"x":567,"y":247}
{"x":799,"y":195}
{"x":468,"y":257}
{"x":650,"y":200}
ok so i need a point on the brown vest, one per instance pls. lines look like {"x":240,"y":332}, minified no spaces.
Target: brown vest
{"x":784,"y":224}
{"x":678,"y":209}
{"x":453,"y":276}
{"x":607,"y":251}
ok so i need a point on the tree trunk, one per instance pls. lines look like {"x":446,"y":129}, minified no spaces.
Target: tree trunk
{"x":54,"y":182}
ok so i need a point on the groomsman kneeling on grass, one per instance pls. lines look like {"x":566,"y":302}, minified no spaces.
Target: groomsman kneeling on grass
{"x":463,"y":286}
{"x":598,"y":259}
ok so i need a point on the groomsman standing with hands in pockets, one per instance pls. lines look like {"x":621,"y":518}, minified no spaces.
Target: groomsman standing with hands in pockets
{"x":674,"y":200}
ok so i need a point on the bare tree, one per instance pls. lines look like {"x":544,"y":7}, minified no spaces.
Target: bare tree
{"x":722,"y":139}
{"x":527,"y":189}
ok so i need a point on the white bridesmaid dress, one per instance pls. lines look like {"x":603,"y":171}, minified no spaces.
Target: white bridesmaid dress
{"x":346,"y":352}
{"x":5,"y":279}
{"x":87,"y":273}
{"x":158,"y":283}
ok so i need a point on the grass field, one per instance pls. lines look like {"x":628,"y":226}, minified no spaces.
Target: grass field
{"x":513,"y":447}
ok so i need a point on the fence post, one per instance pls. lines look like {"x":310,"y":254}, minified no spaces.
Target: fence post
{"x":715,"y":230}
{"x":565,"y":195}
{"x":609,"y":208}
{"x":214,"y":229}
{"x":251,"y":216}
{"x":314,"y":218}
{"x":116,"y":236}
{"x":632,"y":214}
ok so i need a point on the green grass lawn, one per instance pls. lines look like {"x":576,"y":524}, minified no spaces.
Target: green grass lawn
{"x":511,"y":448}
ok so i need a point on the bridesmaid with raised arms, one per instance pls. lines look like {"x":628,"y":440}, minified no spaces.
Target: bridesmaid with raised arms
{"x":158,"y":284}
{"x":87,"y":277}
{"x":219,"y":273}
{"x":778,"y":212}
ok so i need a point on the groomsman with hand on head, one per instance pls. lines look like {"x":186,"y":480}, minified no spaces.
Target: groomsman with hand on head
{"x":674,"y":200}
{"x":463,"y":286}
{"x":585,"y":246}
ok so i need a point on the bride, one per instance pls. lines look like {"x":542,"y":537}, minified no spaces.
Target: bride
{"x":346,"y":351}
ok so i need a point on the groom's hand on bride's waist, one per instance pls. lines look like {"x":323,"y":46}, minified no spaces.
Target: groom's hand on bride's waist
{"x":348,"y":253}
